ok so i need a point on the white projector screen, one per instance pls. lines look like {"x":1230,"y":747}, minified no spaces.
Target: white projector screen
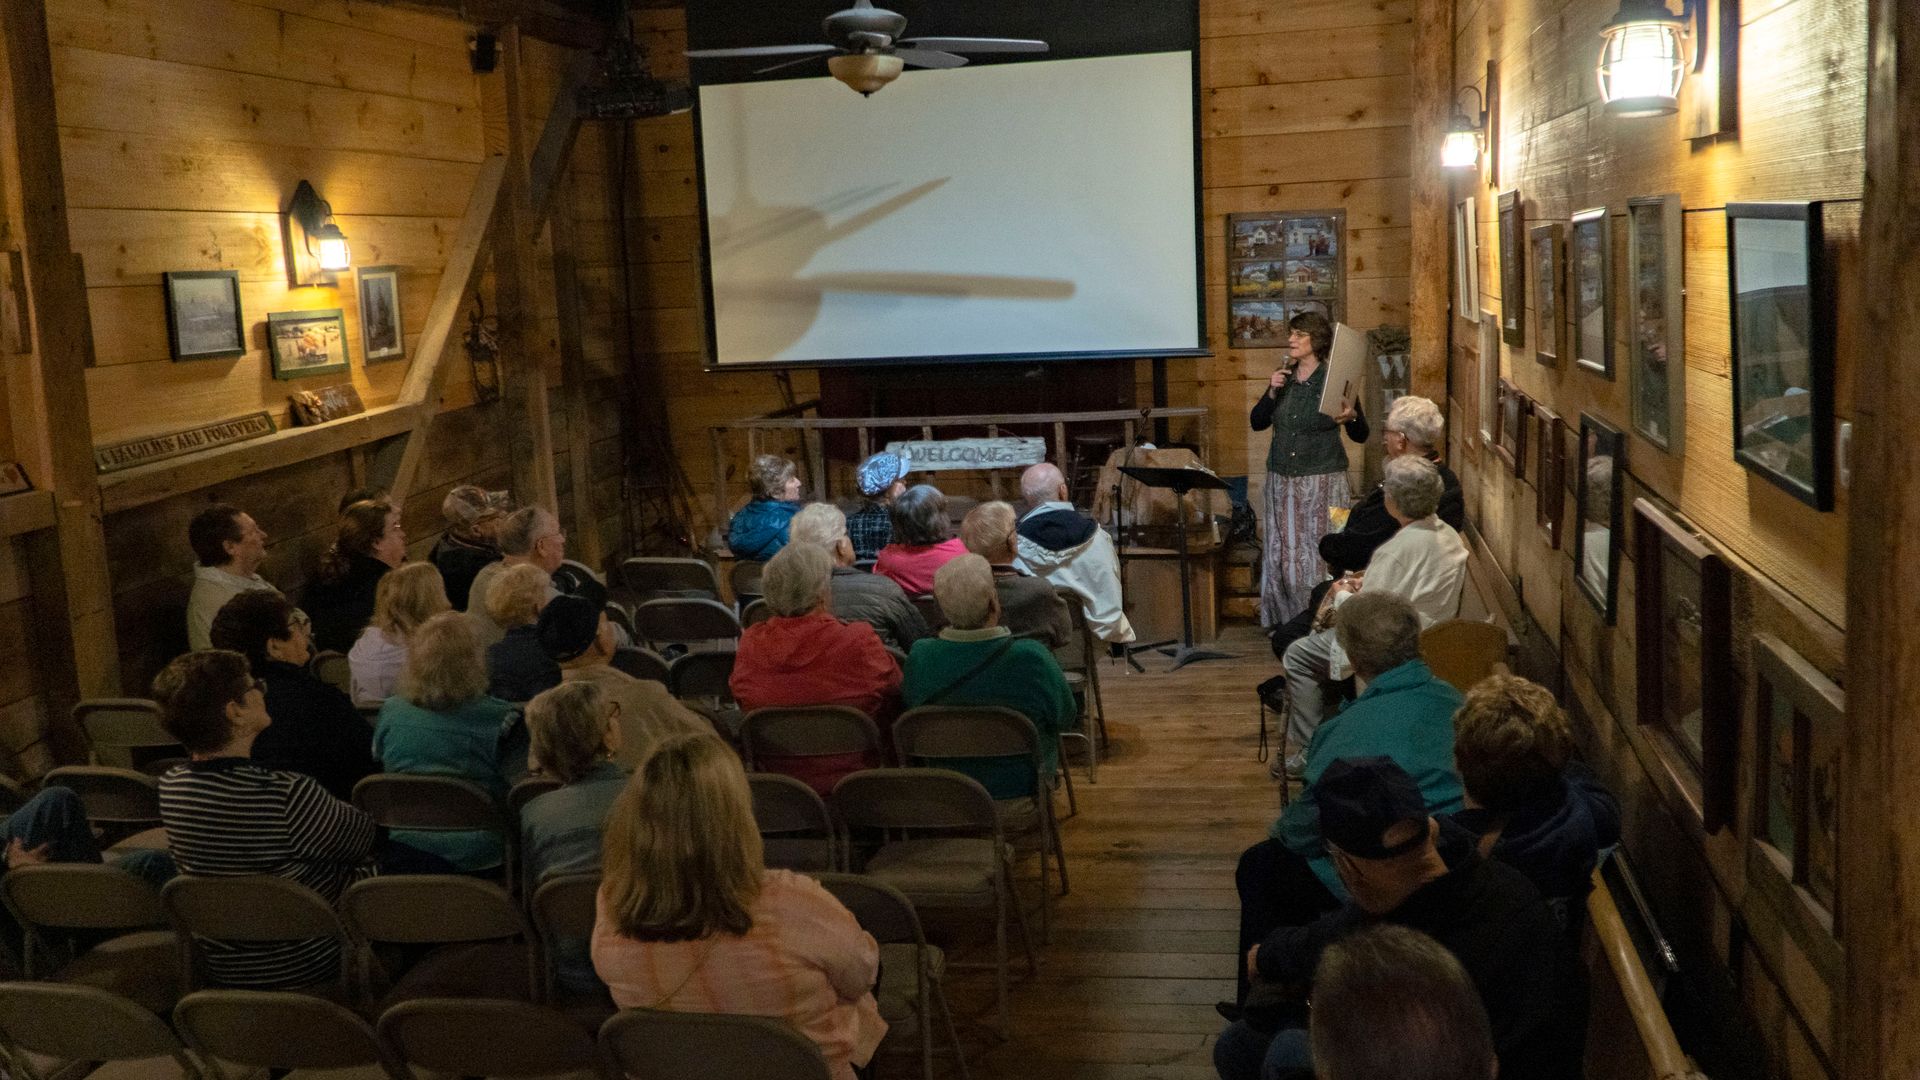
{"x":1032,"y":210}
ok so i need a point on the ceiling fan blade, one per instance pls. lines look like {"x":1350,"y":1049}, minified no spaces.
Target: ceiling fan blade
{"x":928,"y":58}
{"x":762,"y":50}
{"x":977,"y":45}
{"x":787,"y":64}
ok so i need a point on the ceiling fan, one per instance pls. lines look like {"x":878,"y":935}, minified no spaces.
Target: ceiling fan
{"x":867,"y":50}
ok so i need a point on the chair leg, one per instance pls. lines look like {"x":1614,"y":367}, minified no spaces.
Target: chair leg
{"x":1020,"y":916}
{"x":1001,"y":961}
{"x":1059,"y":852}
{"x":1046,"y":891}
{"x":923,"y":1013}
{"x":1073,"y":804}
{"x":953,"y":1036}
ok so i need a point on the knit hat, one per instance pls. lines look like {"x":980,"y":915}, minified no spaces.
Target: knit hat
{"x":1360,"y":798}
{"x":568,"y":627}
{"x":881,"y":471}
{"x":469,"y":503}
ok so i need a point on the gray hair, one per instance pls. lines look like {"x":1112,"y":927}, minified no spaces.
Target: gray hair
{"x":770,"y":473}
{"x":524,"y":528}
{"x":567,"y":730}
{"x":817,"y":523}
{"x":1414,"y":485}
{"x":1391,"y":1001}
{"x":1419,"y":419}
{"x":1379,"y":631}
{"x":965,"y":589}
{"x":1041,"y":483}
{"x":796,"y":578}
{"x":445,"y":667}
{"x":919,"y":517}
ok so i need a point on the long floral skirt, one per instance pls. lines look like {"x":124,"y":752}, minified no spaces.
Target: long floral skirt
{"x":1296,"y":519}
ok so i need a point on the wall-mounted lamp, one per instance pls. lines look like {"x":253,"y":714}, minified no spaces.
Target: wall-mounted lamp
{"x":1461,"y":148}
{"x":315,"y":245}
{"x":1645,"y":54}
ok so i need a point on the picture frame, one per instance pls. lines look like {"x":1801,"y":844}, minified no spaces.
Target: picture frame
{"x":1546,"y":245}
{"x":1685,"y":681}
{"x":1782,"y":313}
{"x":1656,"y":342}
{"x":1799,"y":719}
{"x":204,"y":321}
{"x":1590,"y":290}
{"x":1466,"y":260}
{"x":1550,"y":465}
{"x":1596,"y":544}
{"x":307,"y":343}
{"x":383,"y":334}
{"x":1489,"y":373}
{"x":1280,"y":265}
{"x":1510,"y":434}
{"x":1513,"y":274}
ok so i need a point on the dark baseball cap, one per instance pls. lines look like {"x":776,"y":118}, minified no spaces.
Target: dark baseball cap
{"x":1360,"y":798}
{"x":568,"y":626}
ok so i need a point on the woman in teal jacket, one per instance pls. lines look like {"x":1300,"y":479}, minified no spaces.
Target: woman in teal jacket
{"x":759,"y":529}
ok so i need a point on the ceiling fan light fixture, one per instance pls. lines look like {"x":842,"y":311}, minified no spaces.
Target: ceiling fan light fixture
{"x":866,"y":72}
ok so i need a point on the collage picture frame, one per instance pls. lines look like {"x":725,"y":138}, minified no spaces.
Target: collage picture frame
{"x":1280,"y":265}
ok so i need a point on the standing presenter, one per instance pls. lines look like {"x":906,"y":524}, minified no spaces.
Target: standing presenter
{"x":1306,"y":467}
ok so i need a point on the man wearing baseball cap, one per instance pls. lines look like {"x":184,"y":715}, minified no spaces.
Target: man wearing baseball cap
{"x":1402,"y":866}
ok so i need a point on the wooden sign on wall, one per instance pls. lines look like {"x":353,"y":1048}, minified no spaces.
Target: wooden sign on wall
{"x":327,"y":403}
{"x":938,"y":455}
{"x":173,"y":444}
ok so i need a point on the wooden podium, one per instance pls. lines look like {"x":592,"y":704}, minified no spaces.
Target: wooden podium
{"x":1150,"y":583}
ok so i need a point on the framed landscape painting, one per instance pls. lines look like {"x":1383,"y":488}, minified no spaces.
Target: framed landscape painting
{"x":203,"y":315}
{"x":1544,"y":244}
{"x":1685,"y":682}
{"x":1591,"y":291}
{"x":1783,"y":328}
{"x":1551,"y":466}
{"x":1513,"y":272}
{"x":382,"y":333}
{"x":1466,"y":261}
{"x":1655,"y":243}
{"x":1596,"y":546}
{"x":305,"y":343}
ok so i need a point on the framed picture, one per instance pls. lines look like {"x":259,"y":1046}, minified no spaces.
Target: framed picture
{"x":1549,"y":289}
{"x":1466,"y":261}
{"x":382,"y":333}
{"x":1550,"y":463}
{"x":1590,"y":289}
{"x":1513,"y":272}
{"x":203,"y":314}
{"x":1800,"y":714}
{"x":1656,"y":271}
{"x":1489,"y":373}
{"x":1279,"y":266}
{"x":1683,"y":654}
{"x":1782,"y":294}
{"x":307,"y":343}
{"x":1510,"y":436}
{"x":1596,"y":546}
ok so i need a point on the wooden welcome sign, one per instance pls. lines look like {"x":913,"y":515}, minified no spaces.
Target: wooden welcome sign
{"x":937,"y":455}
{"x":173,"y":444}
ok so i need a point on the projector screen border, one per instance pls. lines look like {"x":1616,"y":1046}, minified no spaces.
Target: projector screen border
{"x":1200,"y":353}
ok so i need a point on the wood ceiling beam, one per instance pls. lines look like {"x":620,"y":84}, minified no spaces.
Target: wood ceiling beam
{"x":577,"y":24}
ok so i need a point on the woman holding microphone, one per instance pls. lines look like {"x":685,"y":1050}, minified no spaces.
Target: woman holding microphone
{"x":1306,"y":467}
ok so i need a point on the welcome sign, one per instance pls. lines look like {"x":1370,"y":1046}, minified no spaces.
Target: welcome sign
{"x":939,"y":455}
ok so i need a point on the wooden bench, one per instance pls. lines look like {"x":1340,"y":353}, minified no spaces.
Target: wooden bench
{"x":1628,"y":1035}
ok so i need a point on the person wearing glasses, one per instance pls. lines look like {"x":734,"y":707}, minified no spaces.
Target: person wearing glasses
{"x":530,"y":536}
{"x":340,"y":598}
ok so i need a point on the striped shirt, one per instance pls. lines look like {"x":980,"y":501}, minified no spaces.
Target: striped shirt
{"x":228,"y":817}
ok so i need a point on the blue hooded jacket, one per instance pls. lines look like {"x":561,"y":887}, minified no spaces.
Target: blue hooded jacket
{"x":759,"y":530}
{"x":1557,"y":841}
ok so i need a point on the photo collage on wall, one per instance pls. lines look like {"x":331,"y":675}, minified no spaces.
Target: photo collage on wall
{"x":1279,"y":266}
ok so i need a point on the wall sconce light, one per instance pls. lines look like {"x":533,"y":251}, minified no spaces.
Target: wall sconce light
{"x":1461,"y":148}
{"x":1645,"y":55}
{"x":316,"y":248}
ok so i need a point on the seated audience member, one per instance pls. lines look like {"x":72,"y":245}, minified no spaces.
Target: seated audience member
{"x":1406,"y":715}
{"x":1071,"y":551}
{"x":690,"y":920}
{"x":517,"y":667}
{"x":467,"y":545}
{"x":976,"y":661}
{"x":759,"y":529}
{"x":806,"y":656}
{"x":530,"y":535}
{"x":442,"y":723}
{"x":575,"y":733}
{"x":1425,"y":563}
{"x":575,"y":633}
{"x":370,"y":493}
{"x":1414,"y":427}
{"x":228,"y":816}
{"x":859,"y":596}
{"x":923,"y":540}
{"x":1527,"y":801}
{"x":404,"y":599}
{"x":1401,"y":866}
{"x":52,"y":827}
{"x":1029,"y":606}
{"x":1391,"y":1003}
{"x":340,"y":598}
{"x":316,"y":730}
{"x":870,"y":528}
{"x":229,"y":547}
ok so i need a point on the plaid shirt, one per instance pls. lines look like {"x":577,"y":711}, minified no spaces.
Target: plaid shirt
{"x":870,"y":528}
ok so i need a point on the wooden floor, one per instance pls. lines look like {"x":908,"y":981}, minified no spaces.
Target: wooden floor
{"x":1145,"y":944}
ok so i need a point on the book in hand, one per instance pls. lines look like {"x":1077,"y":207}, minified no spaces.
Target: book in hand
{"x":1346,"y":367}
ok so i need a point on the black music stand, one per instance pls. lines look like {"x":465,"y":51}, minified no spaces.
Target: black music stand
{"x":1181,"y":481}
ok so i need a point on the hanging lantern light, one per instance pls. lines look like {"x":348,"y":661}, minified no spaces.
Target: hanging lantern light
{"x":1643,"y":59}
{"x":1461,"y":147}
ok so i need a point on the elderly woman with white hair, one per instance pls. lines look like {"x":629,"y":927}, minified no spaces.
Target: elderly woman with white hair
{"x":976,"y":661}
{"x":804,"y":655}
{"x":858,"y":596}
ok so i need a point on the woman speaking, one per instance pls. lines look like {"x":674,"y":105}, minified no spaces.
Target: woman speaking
{"x":1306,"y":467}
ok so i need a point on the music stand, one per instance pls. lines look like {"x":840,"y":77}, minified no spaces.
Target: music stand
{"x":1181,"y":481}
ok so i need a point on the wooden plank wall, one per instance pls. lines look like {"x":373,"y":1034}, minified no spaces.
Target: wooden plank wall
{"x":1801,"y":108}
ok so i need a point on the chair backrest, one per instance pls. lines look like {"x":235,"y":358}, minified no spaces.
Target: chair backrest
{"x":430,"y":909}
{"x":756,"y":612}
{"x":703,"y":674}
{"x":528,"y":790}
{"x":1463,"y":651}
{"x":563,"y":906}
{"x":798,"y":831}
{"x":76,"y":1022}
{"x":649,"y":578}
{"x":621,"y":616}
{"x":899,"y":656}
{"x":809,"y":731}
{"x":920,"y":799}
{"x":697,"y":1046}
{"x":929,"y":606}
{"x":332,"y":667}
{"x":745,"y":579}
{"x":882,"y":910}
{"x":407,"y":801}
{"x":491,"y":1038}
{"x":111,"y":795}
{"x":267,"y":1029}
{"x":117,"y":727}
{"x":255,"y":908}
{"x":964,"y":731}
{"x":80,"y":896}
{"x":1079,"y":652}
{"x":641,"y":663}
{"x":680,"y":620}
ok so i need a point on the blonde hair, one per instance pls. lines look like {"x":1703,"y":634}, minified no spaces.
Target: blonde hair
{"x":965,"y":589}
{"x":518,"y":594}
{"x":567,"y":726}
{"x":987,"y":530}
{"x":1510,"y":741}
{"x":795,"y":579}
{"x":408,"y":596}
{"x":445,"y":666}
{"x":817,"y":523}
{"x":682,"y":857}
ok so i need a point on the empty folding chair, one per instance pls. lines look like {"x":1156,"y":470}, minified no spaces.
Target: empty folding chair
{"x":467,"y":1037}
{"x":757,"y":611}
{"x":929,"y":606}
{"x":126,"y":733}
{"x":654,"y":1045}
{"x":911,"y":971}
{"x":334,"y":669}
{"x":661,"y":578}
{"x":123,"y":805}
{"x":795,"y":828}
{"x":528,"y":790}
{"x":50,"y":901}
{"x":82,"y":1025}
{"x":435,"y":804}
{"x":954,"y":855}
{"x":274,"y":1030}
{"x":641,"y":663}
{"x":686,"y":622}
{"x":817,"y":744}
{"x":1461,"y":652}
{"x":621,"y":616}
{"x":563,"y":915}
{"x":287,"y":924}
{"x":744,"y":579}
{"x":487,"y":948}
{"x":1080,"y":657}
{"x":703,"y":675}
